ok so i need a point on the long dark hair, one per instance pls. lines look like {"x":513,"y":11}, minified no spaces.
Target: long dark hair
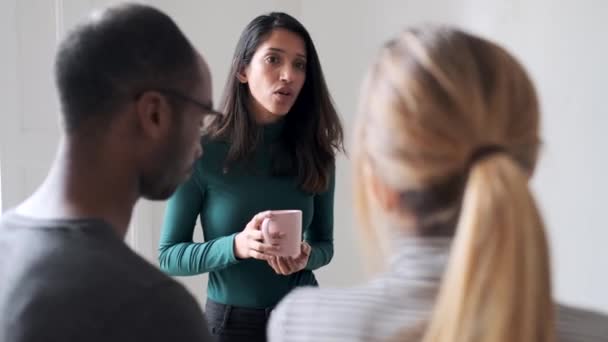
{"x":312,"y":135}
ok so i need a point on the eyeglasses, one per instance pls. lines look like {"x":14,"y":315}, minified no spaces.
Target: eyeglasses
{"x":207,"y":109}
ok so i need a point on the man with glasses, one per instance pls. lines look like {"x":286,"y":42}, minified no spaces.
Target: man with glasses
{"x":133,"y":94}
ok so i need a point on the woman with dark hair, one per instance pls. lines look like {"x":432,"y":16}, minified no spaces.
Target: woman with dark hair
{"x":274,"y":149}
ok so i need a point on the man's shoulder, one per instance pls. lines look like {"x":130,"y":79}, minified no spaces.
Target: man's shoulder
{"x":164,"y":312}
{"x":72,"y":258}
{"x":120,"y":312}
{"x":86,"y":279}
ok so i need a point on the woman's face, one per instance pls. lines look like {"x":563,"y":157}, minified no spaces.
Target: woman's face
{"x":275,"y":75}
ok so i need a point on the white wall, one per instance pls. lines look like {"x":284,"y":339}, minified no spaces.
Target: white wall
{"x":567,"y":55}
{"x":563,"y":47}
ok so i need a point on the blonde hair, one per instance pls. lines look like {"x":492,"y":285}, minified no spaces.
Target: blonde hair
{"x":434,"y":97}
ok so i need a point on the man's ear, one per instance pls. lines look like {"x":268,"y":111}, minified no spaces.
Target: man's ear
{"x":153,"y":114}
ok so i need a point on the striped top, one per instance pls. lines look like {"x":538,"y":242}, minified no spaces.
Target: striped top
{"x":400,"y":298}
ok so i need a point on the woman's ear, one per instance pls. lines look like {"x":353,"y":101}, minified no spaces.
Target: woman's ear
{"x":387,"y":198}
{"x":241,"y":75}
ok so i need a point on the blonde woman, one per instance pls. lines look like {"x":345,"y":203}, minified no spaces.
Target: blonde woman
{"x":447,"y":140}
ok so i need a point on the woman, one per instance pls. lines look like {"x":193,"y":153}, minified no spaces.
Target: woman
{"x":447,"y":140}
{"x":274,"y":149}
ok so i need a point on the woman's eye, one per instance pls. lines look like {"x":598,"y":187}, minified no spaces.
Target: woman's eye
{"x":272,"y":60}
{"x":300,"y":65}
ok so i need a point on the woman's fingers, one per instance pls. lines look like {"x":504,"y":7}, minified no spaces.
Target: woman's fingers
{"x":273,"y":264}
{"x":263,"y":248}
{"x":283,"y":266}
{"x":304,"y":252}
{"x":255,"y":235}
{"x":257,"y":220}
{"x":260,"y":256}
{"x":275,"y":238}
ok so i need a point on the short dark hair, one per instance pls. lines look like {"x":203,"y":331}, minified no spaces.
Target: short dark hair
{"x":106,"y":61}
{"x":313,"y":132}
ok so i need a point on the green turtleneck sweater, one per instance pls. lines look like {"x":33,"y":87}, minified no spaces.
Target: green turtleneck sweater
{"x":226,"y":202}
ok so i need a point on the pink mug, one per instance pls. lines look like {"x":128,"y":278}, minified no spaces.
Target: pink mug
{"x":288,"y":222}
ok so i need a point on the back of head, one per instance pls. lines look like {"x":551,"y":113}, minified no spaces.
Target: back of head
{"x":450,"y":122}
{"x":117,"y":53}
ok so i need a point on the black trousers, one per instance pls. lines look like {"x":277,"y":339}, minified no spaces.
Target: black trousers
{"x":234,"y":324}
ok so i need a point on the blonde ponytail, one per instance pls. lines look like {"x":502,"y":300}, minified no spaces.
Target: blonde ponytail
{"x":434,"y":97}
{"x":497,"y":284}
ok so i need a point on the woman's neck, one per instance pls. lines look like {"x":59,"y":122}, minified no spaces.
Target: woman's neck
{"x":261,"y":115}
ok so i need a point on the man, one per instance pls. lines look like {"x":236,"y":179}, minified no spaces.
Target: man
{"x":133,"y":94}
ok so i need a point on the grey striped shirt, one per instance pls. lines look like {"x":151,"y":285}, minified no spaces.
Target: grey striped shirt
{"x":400,"y":298}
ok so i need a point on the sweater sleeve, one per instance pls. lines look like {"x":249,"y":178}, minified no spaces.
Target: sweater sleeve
{"x":178,"y":254}
{"x":320,"y":234}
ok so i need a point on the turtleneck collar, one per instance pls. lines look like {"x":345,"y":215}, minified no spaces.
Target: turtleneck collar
{"x":272,"y":132}
{"x":420,"y":258}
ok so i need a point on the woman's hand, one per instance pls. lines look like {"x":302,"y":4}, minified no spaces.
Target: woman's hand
{"x":289,"y":265}
{"x":250,"y":243}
